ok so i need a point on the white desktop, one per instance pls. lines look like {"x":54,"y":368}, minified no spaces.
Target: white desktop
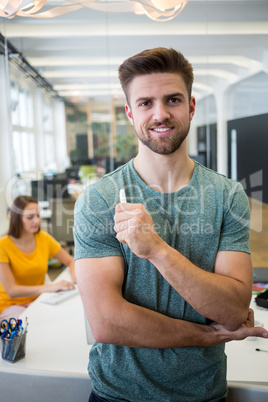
{"x":55,"y":365}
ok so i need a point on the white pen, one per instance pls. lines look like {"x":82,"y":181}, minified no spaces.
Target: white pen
{"x":122,"y":195}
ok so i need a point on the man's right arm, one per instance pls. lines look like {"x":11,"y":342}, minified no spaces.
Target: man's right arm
{"x":116,"y":321}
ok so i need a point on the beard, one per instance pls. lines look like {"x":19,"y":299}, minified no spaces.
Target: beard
{"x":167,"y":144}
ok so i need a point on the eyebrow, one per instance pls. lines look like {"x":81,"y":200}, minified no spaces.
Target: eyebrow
{"x":148,"y":98}
{"x":31,"y":214}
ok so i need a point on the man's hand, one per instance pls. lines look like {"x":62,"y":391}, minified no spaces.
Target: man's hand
{"x":135,"y":227}
{"x":247,"y":329}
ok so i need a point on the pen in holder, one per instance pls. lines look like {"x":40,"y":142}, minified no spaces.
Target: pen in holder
{"x":13,"y":347}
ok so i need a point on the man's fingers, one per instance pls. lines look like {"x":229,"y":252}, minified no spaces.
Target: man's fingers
{"x":128,"y":207}
{"x":125,"y":225}
{"x":258,"y":332}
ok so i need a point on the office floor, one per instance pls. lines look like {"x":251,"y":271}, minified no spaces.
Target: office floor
{"x":258,"y":241}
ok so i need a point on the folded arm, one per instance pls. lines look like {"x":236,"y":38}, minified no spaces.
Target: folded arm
{"x":116,"y":321}
{"x":222,"y":296}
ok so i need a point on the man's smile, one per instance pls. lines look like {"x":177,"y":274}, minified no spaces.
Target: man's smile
{"x":162,"y":130}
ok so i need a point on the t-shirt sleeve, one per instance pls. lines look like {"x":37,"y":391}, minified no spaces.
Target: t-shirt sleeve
{"x":3,"y":254}
{"x":53,"y":245}
{"x":236,"y":223}
{"x":94,"y":235}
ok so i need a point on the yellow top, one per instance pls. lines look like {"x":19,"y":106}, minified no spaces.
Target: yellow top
{"x":27,"y":269}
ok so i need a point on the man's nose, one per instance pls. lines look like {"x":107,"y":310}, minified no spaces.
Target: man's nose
{"x":161,"y":113}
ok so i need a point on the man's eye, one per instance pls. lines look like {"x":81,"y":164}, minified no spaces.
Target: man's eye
{"x":145,"y":103}
{"x":174,"y":100}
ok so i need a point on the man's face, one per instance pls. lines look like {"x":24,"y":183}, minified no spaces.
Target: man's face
{"x":160,"y":111}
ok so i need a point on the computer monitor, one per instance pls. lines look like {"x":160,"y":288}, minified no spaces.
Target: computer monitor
{"x":44,"y":190}
{"x":73,"y":173}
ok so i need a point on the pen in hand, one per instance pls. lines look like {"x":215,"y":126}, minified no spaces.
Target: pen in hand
{"x":122,"y":196}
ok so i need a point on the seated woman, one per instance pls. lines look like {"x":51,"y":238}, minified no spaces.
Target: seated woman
{"x":24,"y":254}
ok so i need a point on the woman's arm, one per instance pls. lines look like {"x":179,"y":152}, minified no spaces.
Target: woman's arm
{"x":67,"y":260}
{"x":13,"y":290}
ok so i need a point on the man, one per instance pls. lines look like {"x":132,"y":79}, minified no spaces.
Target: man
{"x":165,"y":277}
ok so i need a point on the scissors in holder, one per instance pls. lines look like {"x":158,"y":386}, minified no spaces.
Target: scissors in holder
{"x":9,"y":327}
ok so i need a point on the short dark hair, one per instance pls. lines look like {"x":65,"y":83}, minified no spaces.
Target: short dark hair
{"x":17,"y":208}
{"x":158,"y":60}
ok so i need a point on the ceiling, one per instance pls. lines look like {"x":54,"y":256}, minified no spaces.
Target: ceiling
{"x":79,"y":53}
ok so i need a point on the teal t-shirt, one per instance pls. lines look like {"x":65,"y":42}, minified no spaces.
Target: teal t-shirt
{"x":210,"y":214}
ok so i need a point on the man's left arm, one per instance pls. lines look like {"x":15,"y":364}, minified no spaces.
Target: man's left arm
{"x":222,"y":296}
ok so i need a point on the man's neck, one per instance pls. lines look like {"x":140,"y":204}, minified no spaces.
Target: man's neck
{"x":164,"y":173}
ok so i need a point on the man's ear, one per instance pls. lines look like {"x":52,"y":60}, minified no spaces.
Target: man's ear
{"x":192,"y":107}
{"x":129,"y":113}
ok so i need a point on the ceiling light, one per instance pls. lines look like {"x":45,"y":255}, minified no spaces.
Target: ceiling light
{"x":157,"y":10}
{"x":165,"y":4}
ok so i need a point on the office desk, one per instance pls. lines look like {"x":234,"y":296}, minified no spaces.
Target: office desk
{"x":55,"y":365}
{"x":247,"y":369}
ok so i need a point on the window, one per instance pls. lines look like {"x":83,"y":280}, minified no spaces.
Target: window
{"x":48,"y":135}
{"x":24,"y":148}
{"x":22,"y":128}
{"x":49,"y":150}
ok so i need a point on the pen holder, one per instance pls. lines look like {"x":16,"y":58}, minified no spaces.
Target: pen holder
{"x":14,"y":349}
